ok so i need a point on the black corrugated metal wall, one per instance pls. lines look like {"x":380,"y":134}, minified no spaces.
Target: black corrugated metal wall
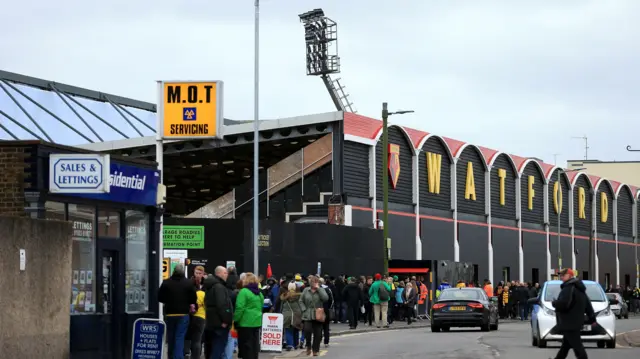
{"x":440,"y":200}
{"x":625,"y":214}
{"x":403,"y":193}
{"x":356,"y":169}
{"x":508,"y":210}
{"x":536,"y":213}
{"x":564,"y":214}
{"x":471,"y":155}
{"x":582,"y":224}
{"x":604,"y":227}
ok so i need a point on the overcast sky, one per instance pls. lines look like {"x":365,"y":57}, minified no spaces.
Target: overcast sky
{"x":522,"y":77}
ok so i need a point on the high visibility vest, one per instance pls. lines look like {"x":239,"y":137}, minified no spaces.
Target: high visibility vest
{"x":423,"y":294}
{"x":460,"y":285}
{"x":489,"y":290}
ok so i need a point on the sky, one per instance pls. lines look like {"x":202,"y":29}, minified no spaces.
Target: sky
{"x":520,"y":77}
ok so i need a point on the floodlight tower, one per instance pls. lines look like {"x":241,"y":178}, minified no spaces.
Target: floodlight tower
{"x":321,"y":39}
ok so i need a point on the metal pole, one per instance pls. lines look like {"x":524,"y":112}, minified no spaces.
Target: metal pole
{"x":559,"y":211}
{"x":160,"y":161}
{"x":385,"y":185}
{"x":591,"y":264}
{"x":256,"y":136}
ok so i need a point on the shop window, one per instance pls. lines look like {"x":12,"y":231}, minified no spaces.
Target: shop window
{"x":55,"y":210}
{"x":136,"y":276}
{"x":108,"y":223}
{"x":83,"y":286}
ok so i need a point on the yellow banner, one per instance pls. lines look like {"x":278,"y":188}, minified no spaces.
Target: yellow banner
{"x":191,"y":109}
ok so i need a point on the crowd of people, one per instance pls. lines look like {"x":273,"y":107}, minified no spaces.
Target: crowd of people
{"x":630,"y":295}
{"x":221,"y":313}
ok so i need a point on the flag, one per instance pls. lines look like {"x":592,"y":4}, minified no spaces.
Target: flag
{"x":269,"y":272}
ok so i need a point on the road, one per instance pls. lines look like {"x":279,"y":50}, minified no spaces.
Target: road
{"x":513,"y":340}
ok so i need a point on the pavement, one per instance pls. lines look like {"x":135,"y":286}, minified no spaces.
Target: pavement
{"x":512,"y":340}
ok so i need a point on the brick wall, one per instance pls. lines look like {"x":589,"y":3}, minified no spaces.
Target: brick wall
{"x":13,"y":165}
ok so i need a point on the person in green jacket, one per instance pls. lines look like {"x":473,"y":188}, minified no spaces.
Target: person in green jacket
{"x":248,"y":317}
{"x":379,"y":296}
{"x":312,"y":298}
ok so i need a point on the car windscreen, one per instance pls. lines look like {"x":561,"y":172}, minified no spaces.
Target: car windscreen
{"x":593,"y":292}
{"x":612,"y":296}
{"x":461,"y":294}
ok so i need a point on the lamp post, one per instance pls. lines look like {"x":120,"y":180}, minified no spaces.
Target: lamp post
{"x":256,"y":137}
{"x":559,"y":210}
{"x":385,"y":180}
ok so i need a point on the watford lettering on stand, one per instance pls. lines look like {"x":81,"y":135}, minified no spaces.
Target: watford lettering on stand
{"x":581,"y":203}
{"x":470,"y":187}
{"x":502,"y":175}
{"x":604,"y":207}
{"x":557,"y":197}
{"x":434,"y":167}
{"x":532,"y":193}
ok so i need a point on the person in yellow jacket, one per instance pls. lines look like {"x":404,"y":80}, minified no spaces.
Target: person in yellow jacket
{"x":461,"y":284}
{"x":197,"y":325}
{"x":506,"y":307}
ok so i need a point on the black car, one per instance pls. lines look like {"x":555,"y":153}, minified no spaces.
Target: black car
{"x":464,"y":307}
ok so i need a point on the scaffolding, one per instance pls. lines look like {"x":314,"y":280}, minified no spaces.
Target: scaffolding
{"x":32,"y":108}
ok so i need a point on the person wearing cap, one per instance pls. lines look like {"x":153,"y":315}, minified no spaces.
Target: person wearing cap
{"x":571,"y":306}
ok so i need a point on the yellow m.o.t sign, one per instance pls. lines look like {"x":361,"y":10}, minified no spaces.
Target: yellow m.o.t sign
{"x":190,"y":110}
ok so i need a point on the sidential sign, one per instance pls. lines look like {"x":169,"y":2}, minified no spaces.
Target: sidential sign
{"x":129,"y":184}
{"x":79,"y":173}
{"x":183,"y":237}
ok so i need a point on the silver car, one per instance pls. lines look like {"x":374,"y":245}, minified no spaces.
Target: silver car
{"x":543,"y":318}
{"x":618,"y":305}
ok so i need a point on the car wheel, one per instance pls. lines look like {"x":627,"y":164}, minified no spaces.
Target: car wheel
{"x":541,"y":343}
{"x":445,"y":329}
{"x":494,"y":326}
{"x":611,"y":344}
{"x":619,"y":316}
{"x":435,"y":328}
{"x":626,"y":316}
{"x":534,"y":340}
{"x":485,"y":327}
{"x":601,"y":344}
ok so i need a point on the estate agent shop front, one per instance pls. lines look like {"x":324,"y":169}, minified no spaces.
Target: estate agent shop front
{"x":114,"y":262}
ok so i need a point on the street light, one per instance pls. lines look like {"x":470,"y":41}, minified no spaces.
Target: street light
{"x":385,"y":180}
{"x":560,"y":170}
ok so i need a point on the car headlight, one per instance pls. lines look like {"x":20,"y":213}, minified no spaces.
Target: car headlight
{"x":548,"y":311}
{"x":604,"y":313}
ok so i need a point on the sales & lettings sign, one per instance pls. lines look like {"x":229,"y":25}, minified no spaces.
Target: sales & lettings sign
{"x":183,"y":237}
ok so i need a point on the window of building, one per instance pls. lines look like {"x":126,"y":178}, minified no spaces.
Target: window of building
{"x":506,"y":274}
{"x":55,"y":210}
{"x":136,"y":276}
{"x":83,"y":261}
{"x":108,"y":223}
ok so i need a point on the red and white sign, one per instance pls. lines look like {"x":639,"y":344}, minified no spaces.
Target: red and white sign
{"x":272,"y":332}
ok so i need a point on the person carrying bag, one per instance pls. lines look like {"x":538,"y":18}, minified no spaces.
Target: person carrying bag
{"x":313,"y":314}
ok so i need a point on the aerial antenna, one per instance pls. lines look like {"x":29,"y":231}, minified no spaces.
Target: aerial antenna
{"x":321,"y":39}
{"x":586,"y":145}
{"x":555,"y":158}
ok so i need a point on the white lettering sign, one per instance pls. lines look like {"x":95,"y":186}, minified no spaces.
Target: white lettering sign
{"x":82,"y":173}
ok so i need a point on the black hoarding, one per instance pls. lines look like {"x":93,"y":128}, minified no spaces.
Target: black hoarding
{"x":470,"y":177}
{"x":437,"y":238}
{"x":474,"y":246}
{"x":534,"y":247}
{"x":506,"y":246}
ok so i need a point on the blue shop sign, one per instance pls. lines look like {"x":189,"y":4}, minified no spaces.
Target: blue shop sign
{"x":129,"y":184}
{"x":148,"y":339}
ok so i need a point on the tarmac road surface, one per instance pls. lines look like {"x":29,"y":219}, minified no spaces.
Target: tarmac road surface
{"x":511,"y":341}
